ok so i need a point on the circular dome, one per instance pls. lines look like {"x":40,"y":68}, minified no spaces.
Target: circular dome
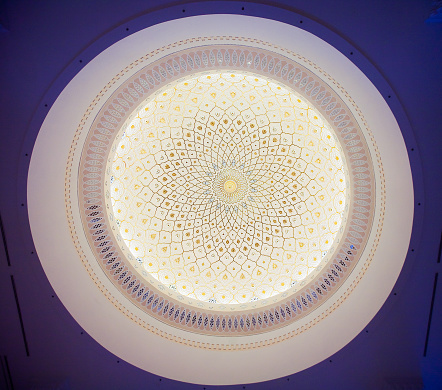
{"x":177,"y":250}
{"x":227,"y":187}
{"x":194,"y":155}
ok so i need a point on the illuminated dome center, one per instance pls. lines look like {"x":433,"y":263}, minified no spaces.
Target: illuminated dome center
{"x":228,"y":188}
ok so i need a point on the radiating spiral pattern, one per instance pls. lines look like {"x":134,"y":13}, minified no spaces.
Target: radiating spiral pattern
{"x":228,"y":187}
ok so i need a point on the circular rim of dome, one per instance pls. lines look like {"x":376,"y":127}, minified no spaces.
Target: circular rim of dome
{"x":401,"y":191}
{"x":208,"y":318}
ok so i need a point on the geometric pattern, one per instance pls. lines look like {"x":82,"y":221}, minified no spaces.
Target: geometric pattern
{"x":228,"y":188}
{"x":92,"y":190}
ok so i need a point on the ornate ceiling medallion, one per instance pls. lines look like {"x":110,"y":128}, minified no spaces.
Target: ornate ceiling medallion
{"x":227,"y":189}
{"x":293,"y":125}
{"x":230,"y":187}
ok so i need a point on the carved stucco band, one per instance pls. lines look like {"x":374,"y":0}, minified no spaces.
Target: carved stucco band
{"x":317,"y":88}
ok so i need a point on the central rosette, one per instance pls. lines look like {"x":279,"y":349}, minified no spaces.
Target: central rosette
{"x":227,"y":188}
{"x":230,"y":186}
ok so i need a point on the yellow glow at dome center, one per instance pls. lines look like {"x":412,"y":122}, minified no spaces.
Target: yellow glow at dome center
{"x":230,"y":186}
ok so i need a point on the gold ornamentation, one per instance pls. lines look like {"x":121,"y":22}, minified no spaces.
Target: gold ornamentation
{"x":228,"y":187}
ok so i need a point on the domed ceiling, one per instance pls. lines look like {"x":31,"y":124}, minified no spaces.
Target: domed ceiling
{"x":215,"y":186}
{"x":225,"y":192}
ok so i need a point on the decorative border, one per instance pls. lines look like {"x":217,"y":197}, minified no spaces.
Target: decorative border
{"x":328,"y":103}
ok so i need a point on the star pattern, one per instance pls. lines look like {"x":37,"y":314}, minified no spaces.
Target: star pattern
{"x":228,"y":188}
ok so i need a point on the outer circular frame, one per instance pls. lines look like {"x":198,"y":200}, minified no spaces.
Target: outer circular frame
{"x":291,"y":70}
{"x":179,"y":360}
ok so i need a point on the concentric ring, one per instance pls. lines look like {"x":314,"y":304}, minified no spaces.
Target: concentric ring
{"x":230,"y":186}
{"x":106,"y":303}
{"x":209,"y":317}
